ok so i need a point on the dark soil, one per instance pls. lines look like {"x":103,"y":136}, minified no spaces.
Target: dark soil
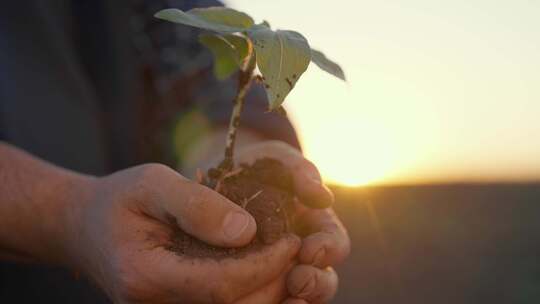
{"x":264,"y":189}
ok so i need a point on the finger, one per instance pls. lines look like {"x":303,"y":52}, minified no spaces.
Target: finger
{"x":197,"y":210}
{"x":229,"y":279}
{"x":307,"y":179}
{"x":273,"y":293}
{"x":327,"y":242}
{"x":309,"y":186}
{"x":312,"y":284}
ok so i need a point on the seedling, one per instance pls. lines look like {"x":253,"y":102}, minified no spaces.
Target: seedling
{"x":241,"y":46}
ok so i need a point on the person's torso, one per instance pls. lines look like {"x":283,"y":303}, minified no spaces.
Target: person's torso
{"x":67,"y":82}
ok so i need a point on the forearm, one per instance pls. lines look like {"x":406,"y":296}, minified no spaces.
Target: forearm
{"x":37,"y":207}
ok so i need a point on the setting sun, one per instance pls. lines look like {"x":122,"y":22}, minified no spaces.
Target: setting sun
{"x":453,"y":101}
{"x":346,"y":132}
{"x":355,"y":157}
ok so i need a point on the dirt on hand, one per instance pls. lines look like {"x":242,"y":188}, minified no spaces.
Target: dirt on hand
{"x":265,"y":190}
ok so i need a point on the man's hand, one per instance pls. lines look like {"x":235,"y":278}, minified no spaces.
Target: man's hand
{"x":115,"y":230}
{"x":325,"y":241}
{"x":126,"y":223}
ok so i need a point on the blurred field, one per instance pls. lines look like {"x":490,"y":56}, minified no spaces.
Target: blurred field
{"x":441,"y":244}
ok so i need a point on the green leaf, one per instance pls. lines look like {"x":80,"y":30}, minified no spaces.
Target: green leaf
{"x":327,"y":65}
{"x":218,"y":19}
{"x":224,"y":15}
{"x":241,"y":45}
{"x":229,"y":52}
{"x":282,"y":57}
{"x":226,"y":58}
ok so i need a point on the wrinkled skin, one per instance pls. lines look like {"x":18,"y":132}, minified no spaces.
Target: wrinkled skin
{"x":325,"y":242}
{"x":125,"y":223}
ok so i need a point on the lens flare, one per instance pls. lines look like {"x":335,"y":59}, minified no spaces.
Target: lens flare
{"x":351,"y":153}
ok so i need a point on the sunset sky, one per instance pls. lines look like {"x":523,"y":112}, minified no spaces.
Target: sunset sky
{"x":438,"y":91}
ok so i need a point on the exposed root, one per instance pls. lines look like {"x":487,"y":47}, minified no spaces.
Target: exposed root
{"x":246,"y":201}
{"x":232,"y":173}
{"x":219,"y":182}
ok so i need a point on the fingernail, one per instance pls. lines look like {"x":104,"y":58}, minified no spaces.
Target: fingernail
{"x":235,"y":224}
{"x":329,"y":192}
{"x":318,"y":257}
{"x":323,"y":198}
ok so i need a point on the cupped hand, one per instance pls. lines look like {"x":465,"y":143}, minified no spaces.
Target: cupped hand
{"x":125,"y":223}
{"x":325,"y":242}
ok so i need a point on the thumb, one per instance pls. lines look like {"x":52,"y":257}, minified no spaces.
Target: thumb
{"x":202,"y":212}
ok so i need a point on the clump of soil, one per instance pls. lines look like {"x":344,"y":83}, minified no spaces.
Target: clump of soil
{"x":265,"y":190}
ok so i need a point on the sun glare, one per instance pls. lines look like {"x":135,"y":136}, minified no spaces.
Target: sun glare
{"x":352,"y":153}
{"x":422,"y":103}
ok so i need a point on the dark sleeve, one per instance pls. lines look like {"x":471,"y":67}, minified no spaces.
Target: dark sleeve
{"x":182,"y":70}
{"x":47,"y":105}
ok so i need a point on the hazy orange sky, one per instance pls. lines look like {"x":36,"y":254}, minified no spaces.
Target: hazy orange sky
{"x":438,"y":90}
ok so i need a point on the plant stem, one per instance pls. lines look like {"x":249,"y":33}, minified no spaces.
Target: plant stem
{"x":245,"y":78}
